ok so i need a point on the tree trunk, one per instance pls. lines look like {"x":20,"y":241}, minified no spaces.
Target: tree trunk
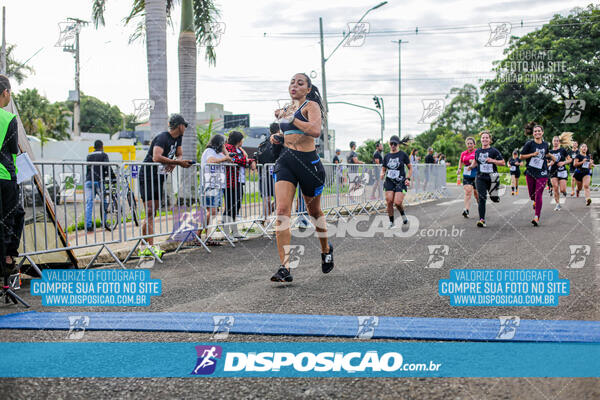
{"x":156,"y":48}
{"x":187,"y":93}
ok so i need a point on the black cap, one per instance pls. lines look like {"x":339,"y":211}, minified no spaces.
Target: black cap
{"x":395,"y":139}
{"x":176,"y":120}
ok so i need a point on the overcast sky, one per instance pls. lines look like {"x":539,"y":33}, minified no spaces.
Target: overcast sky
{"x":266,"y":42}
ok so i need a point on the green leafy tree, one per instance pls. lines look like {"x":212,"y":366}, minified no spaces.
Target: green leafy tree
{"x":203,"y":135}
{"x":539,"y":72}
{"x":366,"y":150}
{"x":98,"y":116}
{"x":451,"y":144}
{"x":35,"y":109}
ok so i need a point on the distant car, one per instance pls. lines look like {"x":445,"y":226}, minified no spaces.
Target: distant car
{"x":29,"y":189}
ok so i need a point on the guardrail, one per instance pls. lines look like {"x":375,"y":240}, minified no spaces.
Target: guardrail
{"x":119,"y":202}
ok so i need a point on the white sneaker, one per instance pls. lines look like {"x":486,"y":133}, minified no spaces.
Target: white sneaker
{"x":557,"y":208}
{"x":391,"y":225}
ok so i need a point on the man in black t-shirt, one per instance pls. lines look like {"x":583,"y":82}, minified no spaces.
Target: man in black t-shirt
{"x":336,"y":157}
{"x":377,"y":157}
{"x":165,"y":149}
{"x":12,"y":214}
{"x":94,"y":182}
{"x":428,"y":161}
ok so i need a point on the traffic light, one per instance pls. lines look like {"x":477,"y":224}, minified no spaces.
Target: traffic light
{"x":376,"y":100}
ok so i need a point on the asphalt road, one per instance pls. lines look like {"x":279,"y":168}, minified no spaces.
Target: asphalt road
{"x":384,"y":276}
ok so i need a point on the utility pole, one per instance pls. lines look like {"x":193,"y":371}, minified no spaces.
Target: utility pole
{"x":324,"y":90}
{"x":400,"y":42}
{"x":3,"y":53}
{"x":71,"y":31}
{"x":324,"y":60}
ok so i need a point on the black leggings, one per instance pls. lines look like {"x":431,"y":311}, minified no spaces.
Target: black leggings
{"x":482,"y":184}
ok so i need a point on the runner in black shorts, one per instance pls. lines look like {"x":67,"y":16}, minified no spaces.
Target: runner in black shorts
{"x":299,"y":164}
{"x":468,"y":176}
{"x":583,"y":172}
{"x":396,"y":181}
{"x":558,"y":169}
{"x":515,"y":172}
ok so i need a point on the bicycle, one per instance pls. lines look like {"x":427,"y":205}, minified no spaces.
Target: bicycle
{"x":115,"y":189}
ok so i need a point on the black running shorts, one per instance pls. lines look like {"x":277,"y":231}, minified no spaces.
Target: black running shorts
{"x":394,"y":186}
{"x":302,"y":168}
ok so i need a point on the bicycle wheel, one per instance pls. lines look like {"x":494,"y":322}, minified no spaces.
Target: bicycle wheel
{"x":111,"y":214}
{"x":133,"y":207}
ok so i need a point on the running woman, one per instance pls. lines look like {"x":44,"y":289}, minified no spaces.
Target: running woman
{"x":468,"y":175}
{"x":574,"y":152}
{"x":515,"y":172}
{"x":583,"y":172}
{"x":536,"y":152}
{"x":558,"y":169}
{"x":299,"y":164}
{"x":486,"y":160}
{"x":396,"y":180}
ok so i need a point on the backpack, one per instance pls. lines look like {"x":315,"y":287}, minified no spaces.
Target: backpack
{"x":266,"y":153}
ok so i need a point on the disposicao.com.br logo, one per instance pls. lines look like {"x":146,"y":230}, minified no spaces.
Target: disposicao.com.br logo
{"x":307,"y":363}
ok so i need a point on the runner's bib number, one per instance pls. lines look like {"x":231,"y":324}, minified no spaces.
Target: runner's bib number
{"x":486,"y":168}
{"x":467,"y":172}
{"x":513,"y":168}
{"x":393,"y":174}
{"x":586,"y":165}
{"x":536,"y":163}
{"x":562,"y":174}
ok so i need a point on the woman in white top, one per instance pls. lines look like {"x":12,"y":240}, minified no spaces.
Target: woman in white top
{"x":213,"y":179}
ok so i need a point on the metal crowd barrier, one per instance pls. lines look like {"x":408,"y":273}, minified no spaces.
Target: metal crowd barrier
{"x":180,"y":203}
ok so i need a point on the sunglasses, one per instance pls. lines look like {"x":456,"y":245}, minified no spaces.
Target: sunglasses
{"x":393,"y":144}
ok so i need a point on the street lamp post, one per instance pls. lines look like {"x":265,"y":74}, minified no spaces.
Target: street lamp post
{"x":323,"y":78}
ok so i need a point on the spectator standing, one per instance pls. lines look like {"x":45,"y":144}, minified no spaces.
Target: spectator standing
{"x":11,"y":212}
{"x":94,"y":184}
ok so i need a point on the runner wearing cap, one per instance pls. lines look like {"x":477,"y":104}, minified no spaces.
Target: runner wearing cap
{"x":468,"y":175}
{"x":536,"y":152}
{"x":165,"y":148}
{"x":396,"y":180}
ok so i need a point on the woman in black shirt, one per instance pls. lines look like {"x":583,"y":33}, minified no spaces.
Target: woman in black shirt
{"x":536,"y":152}
{"x":583,"y":172}
{"x":558,"y":168}
{"x":486,"y":160}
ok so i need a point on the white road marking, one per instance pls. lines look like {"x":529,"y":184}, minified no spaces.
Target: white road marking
{"x":450,"y":202}
{"x":521,"y":201}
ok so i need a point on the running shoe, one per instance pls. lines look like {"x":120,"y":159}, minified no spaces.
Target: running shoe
{"x":588,"y":202}
{"x":158,"y":251}
{"x":512,"y":193}
{"x":557,"y":208}
{"x":533,"y":206}
{"x":391,"y":225}
{"x":404,"y":220}
{"x":572,"y":193}
{"x":145,"y":253}
{"x":577,"y":193}
{"x":535,"y":221}
{"x":327,"y":260}
{"x":465,"y":213}
{"x":481,"y":223}
{"x":517,"y":192}
{"x":282,"y":275}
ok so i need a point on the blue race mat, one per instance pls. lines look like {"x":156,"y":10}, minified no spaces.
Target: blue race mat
{"x":315,"y":325}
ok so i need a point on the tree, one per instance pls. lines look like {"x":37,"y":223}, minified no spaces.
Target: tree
{"x":98,"y":116}
{"x":365,"y":152}
{"x":16,"y":69}
{"x":540,"y":72}
{"x":203,"y":135}
{"x":35,"y":109}
{"x":156,"y":13}
{"x":461,"y":115}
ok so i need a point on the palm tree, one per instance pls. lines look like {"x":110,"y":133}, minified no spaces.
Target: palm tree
{"x":156,"y":13}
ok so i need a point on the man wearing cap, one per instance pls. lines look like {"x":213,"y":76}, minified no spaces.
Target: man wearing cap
{"x":165,"y":148}
{"x":396,"y":180}
{"x":93,"y":186}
